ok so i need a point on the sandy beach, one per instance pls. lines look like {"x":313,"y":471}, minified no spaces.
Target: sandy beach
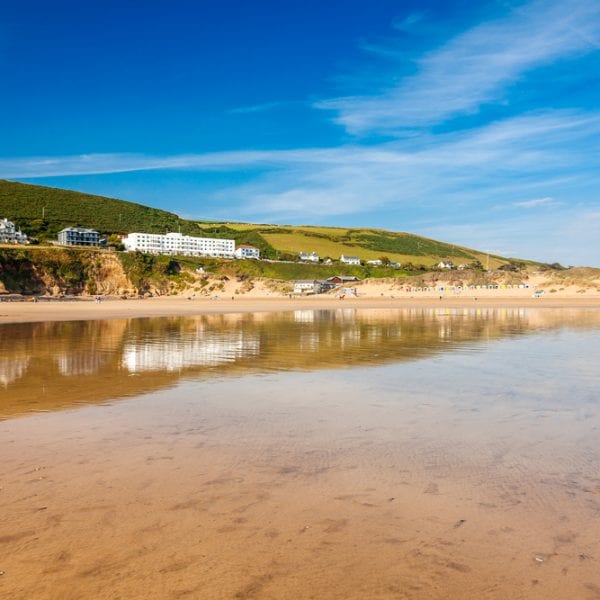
{"x":419,"y":451}
{"x":376,"y":481}
{"x":24,"y":312}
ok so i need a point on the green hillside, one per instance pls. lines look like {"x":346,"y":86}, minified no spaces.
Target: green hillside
{"x":368,"y":244}
{"x":43,"y":211}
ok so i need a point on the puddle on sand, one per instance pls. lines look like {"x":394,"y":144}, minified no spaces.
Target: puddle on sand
{"x":467,"y":469}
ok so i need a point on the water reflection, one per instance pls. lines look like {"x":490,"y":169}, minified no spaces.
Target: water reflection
{"x":45,"y":366}
{"x":12,"y":369}
{"x":200,"y":349}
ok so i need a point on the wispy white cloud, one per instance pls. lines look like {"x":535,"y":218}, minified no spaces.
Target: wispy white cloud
{"x":409,"y":22}
{"x":450,"y":180}
{"x":438,"y":184}
{"x":525,"y":144}
{"x":474,"y":68}
{"x":536,"y":202}
{"x":254,"y":108}
{"x":568,"y":236}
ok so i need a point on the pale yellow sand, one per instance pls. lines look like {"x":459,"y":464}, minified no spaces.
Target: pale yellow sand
{"x":370,"y":294}
{"x":23,"y":312}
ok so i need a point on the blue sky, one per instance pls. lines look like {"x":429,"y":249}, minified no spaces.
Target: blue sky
{"x":474,"y":123}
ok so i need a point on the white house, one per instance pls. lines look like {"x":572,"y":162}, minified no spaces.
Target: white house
{"x":178,"y":244}
{"x":245,"y":251}
{"x":312,"y":257}
{"x":9,"y":234}
{"x":312,"y":286}
{"x":445,"y":264}
{"x":350,"y":260}
{"x":307,"y":286}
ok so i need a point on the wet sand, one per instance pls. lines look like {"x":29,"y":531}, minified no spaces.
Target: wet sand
{"x":436,"y":478}
{"x":22,"y":312}
{"x":248,"y":500}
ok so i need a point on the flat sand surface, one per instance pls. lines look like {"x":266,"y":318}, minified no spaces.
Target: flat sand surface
{"x":268,"y":488}
{"x":23,"y":312}
{"x":383,"y":454}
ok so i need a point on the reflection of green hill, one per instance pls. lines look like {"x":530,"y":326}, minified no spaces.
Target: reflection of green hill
{"x":47,"y":366}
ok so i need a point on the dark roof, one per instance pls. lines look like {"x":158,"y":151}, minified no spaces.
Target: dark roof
{"x":344,"y":278}
{"x":79,"y":230}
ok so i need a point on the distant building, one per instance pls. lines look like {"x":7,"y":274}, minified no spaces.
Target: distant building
{"x":350,"y":260}
{"x":307,"y":286}
{"x":312,"y":286}
{"x":245,"y":251}
{"x":376,"y":263}
{"x":78,"y":236}
{"x":312,"y":257}
{"x":178,"y":244}
{"x":445,"y":264}
{"x":9,"y":234}
{"x":341,"y":279}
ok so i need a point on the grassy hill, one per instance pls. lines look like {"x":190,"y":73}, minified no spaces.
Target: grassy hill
{"x":367,"y":244}
{"x":43,"y":211}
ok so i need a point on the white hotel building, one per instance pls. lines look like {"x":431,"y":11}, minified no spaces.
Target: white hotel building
{"x":178,"y":244}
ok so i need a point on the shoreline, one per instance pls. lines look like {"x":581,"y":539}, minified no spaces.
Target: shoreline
{"x":178,"y":306}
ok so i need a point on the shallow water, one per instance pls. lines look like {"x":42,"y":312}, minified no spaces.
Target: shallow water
{"x":313,"y":454}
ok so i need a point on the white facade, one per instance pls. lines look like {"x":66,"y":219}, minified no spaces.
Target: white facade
{"x":311,"y":286}
{"x":178,"y":244}
{"x":350,"y":260}
{"x":245,"y":251}
{"x":9,"y":234}
{"x":312,"y":257}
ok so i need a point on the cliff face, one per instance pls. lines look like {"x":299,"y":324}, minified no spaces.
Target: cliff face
{"x":107,"y":277}
{"x":57,"y":271}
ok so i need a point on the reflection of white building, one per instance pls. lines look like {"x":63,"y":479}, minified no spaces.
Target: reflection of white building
{"x":304,"y":316}
{"x":181,"y":353}
{"x":9,"y":234}
{"x":351,"y":336}
{"x":12,"y":369}
{"x":178,"y":244}
{"x":79,"y":363}
{"x":309,"y":341}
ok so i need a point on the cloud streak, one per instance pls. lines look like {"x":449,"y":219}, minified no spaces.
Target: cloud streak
{"x":536,"y":202}
{"x":525,"y":144}
{"x":254,"y":108}
{"x":541,"y":168}
{"x":474,"y":68}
